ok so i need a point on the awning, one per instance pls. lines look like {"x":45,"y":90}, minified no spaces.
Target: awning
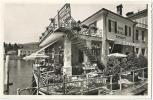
{"x":43,"y":48}
{"x":51,"y":38}
{"x":126,"y":43}
{"x":123,"y":42}
{"x":54,"y":37}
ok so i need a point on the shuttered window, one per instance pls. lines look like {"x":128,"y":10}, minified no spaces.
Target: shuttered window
{"x":112,"y":26}
{"x":109,"y":25}
{"x":143,"y":36}
{"x":137,"y":34}
{"x":129,"y":31}
{"x":115,"y":27}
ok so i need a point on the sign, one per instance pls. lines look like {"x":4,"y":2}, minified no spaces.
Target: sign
{"x":120,"y":37}
{"x":120,"y":30}
{"x":64,"y":14}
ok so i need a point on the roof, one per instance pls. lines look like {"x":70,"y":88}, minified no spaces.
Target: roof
{"x":103,"y":9}
{"x":138,"y":13}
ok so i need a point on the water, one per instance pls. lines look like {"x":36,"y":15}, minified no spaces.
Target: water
{"x":20,"y":75}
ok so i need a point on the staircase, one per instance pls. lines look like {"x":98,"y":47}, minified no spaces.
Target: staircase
{"x":81,"y":44}
{"x":76,"y":39}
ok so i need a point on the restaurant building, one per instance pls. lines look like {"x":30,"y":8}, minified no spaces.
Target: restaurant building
{"x":72,"y":44}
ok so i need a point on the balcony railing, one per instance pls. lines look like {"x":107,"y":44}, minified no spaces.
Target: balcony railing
{"x":72,"y":25}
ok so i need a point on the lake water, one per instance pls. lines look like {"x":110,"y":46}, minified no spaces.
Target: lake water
{"x":20,"y":75}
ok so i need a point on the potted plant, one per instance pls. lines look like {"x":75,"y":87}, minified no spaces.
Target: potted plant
{"x":85,"y":26}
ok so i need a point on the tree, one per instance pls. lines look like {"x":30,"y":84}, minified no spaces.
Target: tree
{"x":113,"y":66}
{"x":10,"y":47}
{"x":15,"y":46}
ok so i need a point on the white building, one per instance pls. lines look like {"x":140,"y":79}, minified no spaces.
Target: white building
{"x":28,"y":48}
{"x":25,"y":52}
{"x":141,"y":32}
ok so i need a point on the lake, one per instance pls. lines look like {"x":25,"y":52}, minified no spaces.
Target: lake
{"x":20,"y":75}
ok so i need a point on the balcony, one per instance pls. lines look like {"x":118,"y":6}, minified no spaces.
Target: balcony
{"x":71,"y":24}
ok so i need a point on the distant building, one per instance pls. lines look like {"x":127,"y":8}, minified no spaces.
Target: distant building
{"x":141,"y":31}
{"x":28,"y":49}
{"x":25,"y":52}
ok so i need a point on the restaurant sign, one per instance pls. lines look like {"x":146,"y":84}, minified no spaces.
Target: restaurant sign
{"x":64,"y":14}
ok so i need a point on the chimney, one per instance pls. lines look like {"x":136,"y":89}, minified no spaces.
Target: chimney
{"x":119,"y":9}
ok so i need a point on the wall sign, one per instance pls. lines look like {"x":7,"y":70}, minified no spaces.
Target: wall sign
{"x":64,"y":14}
{"x":120,"y":37}
{"x":120,"y":30}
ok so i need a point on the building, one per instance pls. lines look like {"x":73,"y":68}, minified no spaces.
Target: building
{"x":141,"y":31}
{"x":71,"y":44}
{"x":28,"y":49}
{"x":25,"y":52}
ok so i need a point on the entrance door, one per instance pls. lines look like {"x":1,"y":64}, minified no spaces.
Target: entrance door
{"x":117,"y":48}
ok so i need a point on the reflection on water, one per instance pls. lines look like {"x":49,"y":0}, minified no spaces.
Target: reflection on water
{"x":20,"y":75}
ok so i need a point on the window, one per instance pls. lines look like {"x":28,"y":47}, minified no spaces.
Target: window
{"x":112,"y":26}
{"x":129,"y":31}
{"x":143,"y":36}
{"x":137,"y":34}
{"x":137,"y":49}
{"x":143,"y":51}
{"x":125,"y":30}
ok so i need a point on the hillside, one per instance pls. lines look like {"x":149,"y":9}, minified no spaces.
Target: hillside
{"x":31,"y":45}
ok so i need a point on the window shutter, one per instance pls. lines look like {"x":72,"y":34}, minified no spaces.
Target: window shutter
{"x":115,"y":27}
{"x":109,"y":25}
{"x":129,"y":31}
{"x":143,"y":35}
{"x":125,"y":30}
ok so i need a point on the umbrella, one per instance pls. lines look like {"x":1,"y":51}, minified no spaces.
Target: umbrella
{"x":117,"y":55}
{"x":34,"y":56}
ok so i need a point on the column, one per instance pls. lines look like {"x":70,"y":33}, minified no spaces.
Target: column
{"x":67,"y":68}
{"x":104,"y":50}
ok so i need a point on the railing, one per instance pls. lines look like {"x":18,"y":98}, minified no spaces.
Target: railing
{"x":70,"y":24}
{"x":82,"y":84}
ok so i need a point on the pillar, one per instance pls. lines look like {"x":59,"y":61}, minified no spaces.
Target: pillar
{"x":67,"y":68}
{"x":104,"y":49}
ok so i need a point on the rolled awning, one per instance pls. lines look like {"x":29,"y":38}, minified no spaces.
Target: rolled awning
{"x":51,"y":38}
{"x":124,"y":42}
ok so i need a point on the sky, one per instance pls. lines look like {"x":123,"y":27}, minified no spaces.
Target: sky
{"x":24,"y":23}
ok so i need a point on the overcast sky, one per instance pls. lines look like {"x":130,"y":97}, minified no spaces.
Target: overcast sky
{"x":24,"y":23}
